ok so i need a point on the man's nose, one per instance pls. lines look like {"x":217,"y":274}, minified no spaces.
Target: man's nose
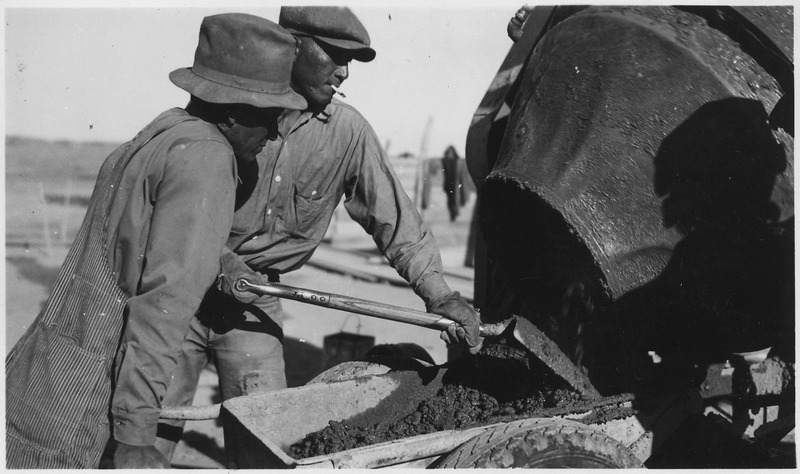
{"x":342,"y":72}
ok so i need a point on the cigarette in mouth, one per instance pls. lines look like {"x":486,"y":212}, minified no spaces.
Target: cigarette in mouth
{"x":336,"y":90}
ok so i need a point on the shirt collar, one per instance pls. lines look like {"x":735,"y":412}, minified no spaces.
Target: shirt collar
{"x":287,"y":120}
{"x":325,"y":115}
{"x":291,"y":119}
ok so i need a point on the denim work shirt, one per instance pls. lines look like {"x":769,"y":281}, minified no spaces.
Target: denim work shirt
{"x":303,"y":176}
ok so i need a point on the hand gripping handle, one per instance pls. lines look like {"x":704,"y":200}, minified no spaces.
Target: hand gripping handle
{"x":360,"y":306}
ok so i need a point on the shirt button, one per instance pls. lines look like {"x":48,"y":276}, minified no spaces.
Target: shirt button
{"x":277,"y":179}
{"x":269,"y":212}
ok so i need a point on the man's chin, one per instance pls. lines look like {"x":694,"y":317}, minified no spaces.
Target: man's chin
{"x":319,"y":101}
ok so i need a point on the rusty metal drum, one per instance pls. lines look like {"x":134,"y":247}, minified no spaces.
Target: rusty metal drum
{"x":644,"y":152}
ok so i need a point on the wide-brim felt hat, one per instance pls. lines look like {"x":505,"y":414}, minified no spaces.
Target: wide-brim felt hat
{"x":242,"y":59}
{"x":335,"y":26}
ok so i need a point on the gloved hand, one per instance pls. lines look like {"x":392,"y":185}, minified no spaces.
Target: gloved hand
{"x":127,"y":456}
{"x":467,"y":329}
{"x":234,"y":268}
{"x":514,"y":28}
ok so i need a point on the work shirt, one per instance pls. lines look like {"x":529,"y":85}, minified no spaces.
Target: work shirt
{"x":303,"y":175}
{"x":173,"y":219}
{"x":145,"y":254}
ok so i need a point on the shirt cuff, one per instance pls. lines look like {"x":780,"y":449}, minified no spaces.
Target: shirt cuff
{"x":136,"y":430}
{"x":432,"y":287}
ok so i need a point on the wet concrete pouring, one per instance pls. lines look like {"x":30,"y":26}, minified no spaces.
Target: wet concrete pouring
{"x":501,"y":383}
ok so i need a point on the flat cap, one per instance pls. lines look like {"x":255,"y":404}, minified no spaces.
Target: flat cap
{"x":335,"y":26}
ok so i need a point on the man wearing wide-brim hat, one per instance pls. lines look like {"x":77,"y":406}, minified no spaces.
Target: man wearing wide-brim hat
{"x":323,"y":153}
{"x":110,"y":333}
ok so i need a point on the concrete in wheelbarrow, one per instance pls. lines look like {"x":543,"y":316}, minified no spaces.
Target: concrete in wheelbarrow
{"x":259,"y":430}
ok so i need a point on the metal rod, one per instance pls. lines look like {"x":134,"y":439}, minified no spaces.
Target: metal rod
{"x":360,"y":306}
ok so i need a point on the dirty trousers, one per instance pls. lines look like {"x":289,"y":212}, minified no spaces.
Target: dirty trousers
{"x":244,"y":341}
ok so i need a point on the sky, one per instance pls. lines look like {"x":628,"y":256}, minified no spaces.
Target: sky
{"x":100,"y":74}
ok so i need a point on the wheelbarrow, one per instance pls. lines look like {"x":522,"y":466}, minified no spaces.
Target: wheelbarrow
{"x":259,"y":430}
{"x":616,"y":431}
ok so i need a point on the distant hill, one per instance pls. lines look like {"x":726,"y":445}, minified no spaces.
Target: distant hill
{"x":34,"y":157}
{"x":60,"y":160}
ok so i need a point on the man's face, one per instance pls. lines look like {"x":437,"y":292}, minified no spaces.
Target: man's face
{"x":249,"y":130}
{"x":317,"y":70}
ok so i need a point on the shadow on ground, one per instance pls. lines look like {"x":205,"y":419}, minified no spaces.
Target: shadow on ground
{"x":303,"y":361}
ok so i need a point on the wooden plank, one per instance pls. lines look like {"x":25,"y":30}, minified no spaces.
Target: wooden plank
{"x":375,"y":269}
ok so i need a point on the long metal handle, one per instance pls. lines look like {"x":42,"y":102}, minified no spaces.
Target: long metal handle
{"x":360,"y":306}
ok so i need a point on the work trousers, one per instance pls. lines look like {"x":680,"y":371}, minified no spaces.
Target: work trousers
{"x":245,"y":343}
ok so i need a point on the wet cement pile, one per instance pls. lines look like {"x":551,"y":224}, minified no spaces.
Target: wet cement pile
{"x":502,"y":383}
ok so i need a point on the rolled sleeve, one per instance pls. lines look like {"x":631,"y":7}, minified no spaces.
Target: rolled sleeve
{"x":191,"y":219}
{"x":377,"y":201}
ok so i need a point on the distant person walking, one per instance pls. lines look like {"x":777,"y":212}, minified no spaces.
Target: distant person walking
{"x":456,"y":182}
{"x":97,"y":360}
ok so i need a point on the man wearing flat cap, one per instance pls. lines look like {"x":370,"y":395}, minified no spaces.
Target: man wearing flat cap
{"x":322,"y":154}
{"x":96,"y":363}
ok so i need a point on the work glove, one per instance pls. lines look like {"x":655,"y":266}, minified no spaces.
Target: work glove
{"x":127,"y":456}
{"x":233,"y":268}
{"x":467,"y":328}
{"x":514,"y":28}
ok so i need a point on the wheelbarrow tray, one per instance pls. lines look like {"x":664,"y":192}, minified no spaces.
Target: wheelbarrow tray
{"x":259,"y":430}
